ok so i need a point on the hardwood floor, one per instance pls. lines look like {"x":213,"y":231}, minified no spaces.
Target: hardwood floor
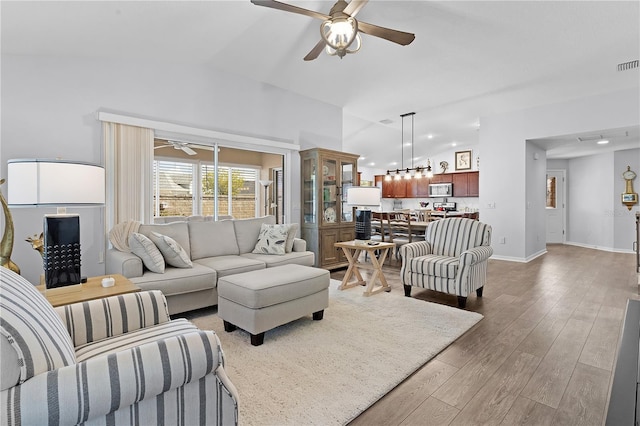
{"x":542,"y":355}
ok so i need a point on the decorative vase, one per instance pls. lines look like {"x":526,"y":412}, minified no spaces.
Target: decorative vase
{"x":6,"y":245}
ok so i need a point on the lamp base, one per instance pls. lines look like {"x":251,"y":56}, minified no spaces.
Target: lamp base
{"x":363,"y":225}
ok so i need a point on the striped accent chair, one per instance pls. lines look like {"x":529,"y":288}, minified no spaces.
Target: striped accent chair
{"x":113,"y":361}
{"x":453,"y":258}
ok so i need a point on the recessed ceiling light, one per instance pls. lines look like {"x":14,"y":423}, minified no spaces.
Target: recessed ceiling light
{"x":603,"y":142}
{"x":453,"y":144}
{"x":429,"y":136}
{"x":372,"y":164}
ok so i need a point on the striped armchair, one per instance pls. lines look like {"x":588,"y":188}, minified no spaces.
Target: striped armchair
{"x":118,"y":360}
{"x":453,"y":258}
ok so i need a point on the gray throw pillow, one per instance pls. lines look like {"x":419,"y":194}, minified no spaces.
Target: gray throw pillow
{"x":172,"y":252}
{"x":144,"y":248}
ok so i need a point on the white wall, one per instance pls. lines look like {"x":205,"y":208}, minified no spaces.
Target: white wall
{"x":507,"y":173}
{"x":49,"y":110}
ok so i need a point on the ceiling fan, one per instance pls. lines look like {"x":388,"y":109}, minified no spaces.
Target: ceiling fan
{"x":340,"y":30}
{"x":184,"y":146}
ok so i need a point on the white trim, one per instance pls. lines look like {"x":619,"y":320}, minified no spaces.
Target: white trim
{"x":163,"y":127}
{"x":178,"y":132}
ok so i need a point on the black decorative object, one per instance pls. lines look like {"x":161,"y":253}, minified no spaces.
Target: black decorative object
{"x":61,"y":250}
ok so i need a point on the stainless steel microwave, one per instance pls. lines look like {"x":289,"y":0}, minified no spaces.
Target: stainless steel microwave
{"x":440,"y":190}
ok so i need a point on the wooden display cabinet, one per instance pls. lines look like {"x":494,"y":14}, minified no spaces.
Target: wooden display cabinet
{"x":326,"y":217}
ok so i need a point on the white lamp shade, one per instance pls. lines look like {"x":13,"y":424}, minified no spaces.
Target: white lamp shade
{"x":35,"y":182}
{"x":365,"y":196}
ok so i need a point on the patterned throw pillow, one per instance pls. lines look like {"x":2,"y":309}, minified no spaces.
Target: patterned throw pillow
{"x":144,"y":248}
{"x":272,"y":239}
{"x":32,"y":327}
{"x":172,"y":252}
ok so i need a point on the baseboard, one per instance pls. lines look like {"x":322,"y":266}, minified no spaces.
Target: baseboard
{"x":596,"y":247}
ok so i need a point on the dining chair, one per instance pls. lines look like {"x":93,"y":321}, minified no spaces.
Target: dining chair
{"x":400,"y":228}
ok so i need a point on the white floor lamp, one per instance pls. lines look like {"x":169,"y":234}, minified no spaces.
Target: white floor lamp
{"x":266,"y":184}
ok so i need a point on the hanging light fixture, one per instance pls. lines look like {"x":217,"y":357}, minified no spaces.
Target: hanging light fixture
{"x":408,"y":171}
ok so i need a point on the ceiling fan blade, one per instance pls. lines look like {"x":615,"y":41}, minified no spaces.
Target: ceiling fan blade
{"x":315,"y":52}
{"x":187,"y":150}
{"x":354,"y":7}
{"x":161,"y":146}
{"x":290,"y":8}
{"x":395,"y":36}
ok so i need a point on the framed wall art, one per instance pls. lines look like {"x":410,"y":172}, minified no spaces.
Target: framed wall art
{"x":463,"y":160}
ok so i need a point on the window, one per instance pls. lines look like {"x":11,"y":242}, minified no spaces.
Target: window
{"x":173,"y":184}
{"x":184,"y":188}
{"x":551,"y":192}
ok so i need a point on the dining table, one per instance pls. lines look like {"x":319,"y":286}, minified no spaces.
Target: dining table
{"x":418,"y":227}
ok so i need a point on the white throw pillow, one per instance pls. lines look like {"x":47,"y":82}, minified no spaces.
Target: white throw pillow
{"x":144,"y":248}
{"x":272,"y":239}
{"x":172,"y":252}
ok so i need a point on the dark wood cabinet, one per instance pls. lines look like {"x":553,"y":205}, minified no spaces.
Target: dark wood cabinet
{"x":465,"y":184}
{"x":392,"y":188}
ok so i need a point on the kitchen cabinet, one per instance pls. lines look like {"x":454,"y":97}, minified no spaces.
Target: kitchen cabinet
{"x":465,"y":184}
{"x":326,"y":217}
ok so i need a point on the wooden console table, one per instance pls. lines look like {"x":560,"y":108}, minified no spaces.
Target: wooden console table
{"x":90,"y":290}
{"x":352,"y":250}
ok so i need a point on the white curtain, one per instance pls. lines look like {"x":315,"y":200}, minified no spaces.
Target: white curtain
{"x":129,"y":171}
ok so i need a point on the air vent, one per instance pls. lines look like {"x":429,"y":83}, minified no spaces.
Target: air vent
{"x":612,"y":135}
{"x":625,"y":66}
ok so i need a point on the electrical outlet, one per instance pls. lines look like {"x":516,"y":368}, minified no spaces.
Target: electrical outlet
{"x":503,"y":240}
{"x":101,"y":257}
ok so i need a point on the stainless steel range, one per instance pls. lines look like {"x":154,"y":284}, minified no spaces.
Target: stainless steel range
{"x":447,"y":207}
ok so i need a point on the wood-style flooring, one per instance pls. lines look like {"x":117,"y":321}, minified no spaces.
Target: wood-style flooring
{"x":543,"y":354}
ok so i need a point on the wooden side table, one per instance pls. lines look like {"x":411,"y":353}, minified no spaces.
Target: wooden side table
{"x":352,"y":250}
{"x":91,"y":290}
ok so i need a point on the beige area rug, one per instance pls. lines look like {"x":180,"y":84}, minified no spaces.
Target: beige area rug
{"x":327,"y":372}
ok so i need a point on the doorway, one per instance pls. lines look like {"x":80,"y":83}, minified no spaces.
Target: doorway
{"x":556,"y":206}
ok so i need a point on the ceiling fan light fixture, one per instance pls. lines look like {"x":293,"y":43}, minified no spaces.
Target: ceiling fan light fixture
{"x":339,"y":34}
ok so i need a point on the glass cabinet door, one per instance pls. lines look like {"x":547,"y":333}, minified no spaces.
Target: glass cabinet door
{"x":346,"y":178}
{"x":329,"y":191}
{"x":309,"y":179}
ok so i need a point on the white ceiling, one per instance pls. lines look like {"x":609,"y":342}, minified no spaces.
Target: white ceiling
{"x":470,"y":58}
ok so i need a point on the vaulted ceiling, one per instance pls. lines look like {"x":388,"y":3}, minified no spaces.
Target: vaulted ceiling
{"x":469,"y":59}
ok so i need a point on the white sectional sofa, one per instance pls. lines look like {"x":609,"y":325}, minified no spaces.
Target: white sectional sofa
{"x":217,"y":249}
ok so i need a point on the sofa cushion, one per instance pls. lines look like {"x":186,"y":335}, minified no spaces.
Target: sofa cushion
{"x":123,"y":342}
{"x":272,"y":239}
{"x":179,"y":231}
{"x":306,"y":258}
{"x":212,"y":239}
{"x":229,"y":265}
{"x":178,"y":280}
{"x":32,"y":327}
{"x":146,"y":250}
{"x":248,"y":230}
{"x":173,"y":253}
{"x":435,"y":265}
{"x":9,"y":365}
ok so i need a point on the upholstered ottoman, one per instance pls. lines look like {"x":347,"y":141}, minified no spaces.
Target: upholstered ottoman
{"x":258,"y":301}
